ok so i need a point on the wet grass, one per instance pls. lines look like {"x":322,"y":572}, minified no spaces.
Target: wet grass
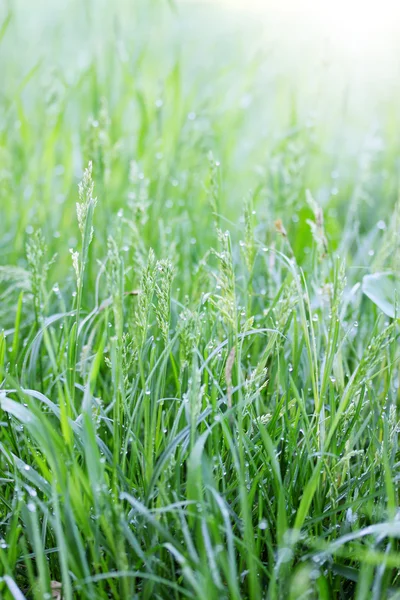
{"x":198,"y":400}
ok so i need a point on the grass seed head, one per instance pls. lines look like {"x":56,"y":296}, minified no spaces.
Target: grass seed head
{"x":163,"y":287}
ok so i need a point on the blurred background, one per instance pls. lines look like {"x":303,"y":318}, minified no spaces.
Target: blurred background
{"x":287,"y":95}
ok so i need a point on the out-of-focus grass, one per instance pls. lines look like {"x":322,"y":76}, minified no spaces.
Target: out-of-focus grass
{"x":189,"y":412}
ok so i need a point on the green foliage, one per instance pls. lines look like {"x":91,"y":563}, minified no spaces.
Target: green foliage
{"x":382,"y":288}
{"x":199,"y":394}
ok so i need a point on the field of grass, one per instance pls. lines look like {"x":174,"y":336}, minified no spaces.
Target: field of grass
{"x":199,"y":374}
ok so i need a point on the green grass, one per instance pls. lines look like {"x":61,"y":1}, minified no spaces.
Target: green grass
{"x":197,"y":398}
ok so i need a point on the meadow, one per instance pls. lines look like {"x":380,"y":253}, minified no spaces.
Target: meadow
{"x":199,"y":364}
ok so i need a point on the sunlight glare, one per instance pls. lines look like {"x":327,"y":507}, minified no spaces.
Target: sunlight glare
{"x":355,"y":26}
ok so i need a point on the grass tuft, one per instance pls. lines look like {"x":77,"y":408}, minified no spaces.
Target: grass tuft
{"x":199,"y":372}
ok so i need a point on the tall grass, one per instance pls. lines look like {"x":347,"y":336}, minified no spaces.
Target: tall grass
{"x":198,"y":400}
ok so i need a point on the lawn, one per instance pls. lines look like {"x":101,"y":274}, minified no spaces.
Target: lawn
{"x":199,"y":266}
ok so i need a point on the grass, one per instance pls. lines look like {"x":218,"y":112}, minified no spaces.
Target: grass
{"x":198,"y":400}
